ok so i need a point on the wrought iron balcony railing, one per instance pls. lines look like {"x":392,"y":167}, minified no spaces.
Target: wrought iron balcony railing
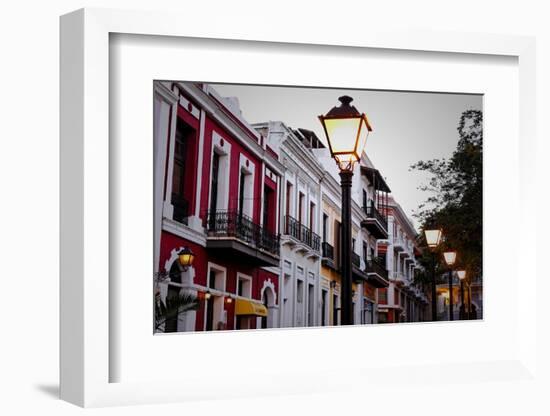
{"x":181,"y":208}
{"x":302,"y":233}
{"x":376,"y":265}
{"x":372,"y":212}
{"x":223,"y":223}
{"x":328,"y":251}
{"x":356,"y":260}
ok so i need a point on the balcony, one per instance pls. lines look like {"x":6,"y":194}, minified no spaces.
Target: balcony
{"x":299,"y":233}
{"x":231,"y":234}
{"x":357,"y":273}
{"x":327,"y":256}
{"x":377,"y":273}
{"x":375,"y":223}
{"x":181,"y":208}
{"x":398,"y":244}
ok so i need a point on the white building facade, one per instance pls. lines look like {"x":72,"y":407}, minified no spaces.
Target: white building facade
{"x":404,"y":302}
{"x":300,"y":202}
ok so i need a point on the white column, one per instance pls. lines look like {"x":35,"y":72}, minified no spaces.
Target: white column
{"x":165,"y":104}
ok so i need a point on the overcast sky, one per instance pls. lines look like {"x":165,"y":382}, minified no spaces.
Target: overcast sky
{"x":407,"y":127}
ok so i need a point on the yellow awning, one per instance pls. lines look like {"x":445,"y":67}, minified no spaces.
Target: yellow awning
{"x":248,"y":307}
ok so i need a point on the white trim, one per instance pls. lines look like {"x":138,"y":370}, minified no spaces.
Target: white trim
{"x":184,"y":103}
{"x":247,"y":168}
{"x":244,"y":277}
{"x":160,"y":138}
{"x":184,"y":231}
{"x":168,"y":211}
{"x":200,"y":162}
{"x":268,"y":283}
{"x":223,"y":148}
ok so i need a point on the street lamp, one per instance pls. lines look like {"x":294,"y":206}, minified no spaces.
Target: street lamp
{"x":450,"y":258}
{"x":461,"y":276}
{"x":186,"y":257}
{"x":433,"y":238}
{"x":347,"y":130}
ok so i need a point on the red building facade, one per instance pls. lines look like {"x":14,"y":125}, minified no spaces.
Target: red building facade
{"x":216,"y":192}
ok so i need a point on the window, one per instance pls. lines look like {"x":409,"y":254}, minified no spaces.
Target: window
{"x":300,"y":207}
{"x":244,"y":286}
{"x":288,"y":197}
{"x":265,"y":218}
{"x":241,"y":193}
{"x":215,"y":181}
{"x":310,"y":304}
{"x":184,"y":134}
{"x":364,"y":198}
{"x":325,"y":225}
{"x":216,"y":279}
{"x":311,"y":215}
{"x":383,"y":296}
{"x":299,"y":291}
{"x":212,"y":279}
{"x":365,"y":251}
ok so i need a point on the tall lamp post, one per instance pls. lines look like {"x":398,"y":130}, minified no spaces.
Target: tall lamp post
{"x":450,"y":259}
{"x":461,"y":276}
{"x":433,"y":238}
{"x":346,"y":130}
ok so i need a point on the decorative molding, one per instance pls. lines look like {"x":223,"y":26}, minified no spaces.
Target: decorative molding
{"x":183,"y":231}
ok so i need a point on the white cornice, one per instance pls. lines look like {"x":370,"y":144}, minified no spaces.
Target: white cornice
{"x":165,"y":93}
{"x":213,"y":109}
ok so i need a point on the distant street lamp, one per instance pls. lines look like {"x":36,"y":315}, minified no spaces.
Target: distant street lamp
{"x":450,"y":258}
{"x":461,"y":276}
{"x":347,"y":130}
{"x":433,"y":238}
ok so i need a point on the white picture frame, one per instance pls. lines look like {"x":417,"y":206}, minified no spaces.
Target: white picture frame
{"x":86,"y":353}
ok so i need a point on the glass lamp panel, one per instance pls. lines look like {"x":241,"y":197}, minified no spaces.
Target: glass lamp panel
{"x":450,"y":257}
{"x":432,"y":237}
{"x":342,"y":133}
{"x":345,"y":162}
{"x":363,"y":134}
{"x":461,"y":274}
{"x":186,"y":257}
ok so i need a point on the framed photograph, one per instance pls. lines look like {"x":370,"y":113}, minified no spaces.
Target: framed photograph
{"x":262,"y":214}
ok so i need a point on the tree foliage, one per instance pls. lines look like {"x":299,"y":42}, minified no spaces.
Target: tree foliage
{"x":172,"y":307}
{"x":455,"y":196}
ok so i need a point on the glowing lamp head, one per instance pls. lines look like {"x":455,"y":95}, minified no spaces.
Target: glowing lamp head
{"x":450,"y":257}
{"x":346,"y":130}
{"x":186,"y":257}
{"x":433,"y":237}
{"x":228,"y":299}
{"x":461,"y":274}
{"x":207,"y":295}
